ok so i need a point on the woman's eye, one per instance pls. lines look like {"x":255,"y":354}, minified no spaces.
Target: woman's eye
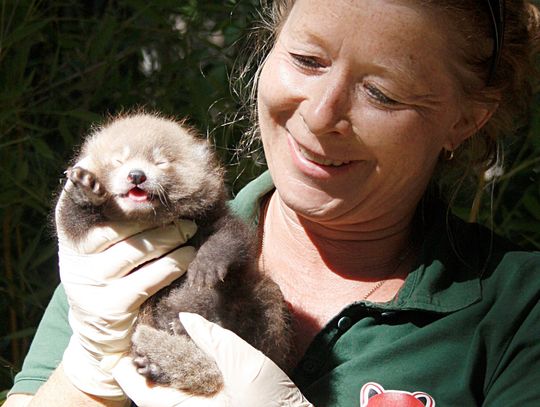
{"x":307,"y":61}
{"x":378,"y":96}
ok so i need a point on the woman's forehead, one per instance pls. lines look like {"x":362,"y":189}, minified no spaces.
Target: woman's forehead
{"x":349,"y":16}
{"x":388,"y":35}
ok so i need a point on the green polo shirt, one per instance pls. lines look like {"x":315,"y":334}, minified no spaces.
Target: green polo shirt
{"x":464,"y":330}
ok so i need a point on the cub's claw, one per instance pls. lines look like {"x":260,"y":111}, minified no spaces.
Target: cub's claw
{"x":87,"y":188}
{"x":201,"y":275}
{"x":148,"y":369}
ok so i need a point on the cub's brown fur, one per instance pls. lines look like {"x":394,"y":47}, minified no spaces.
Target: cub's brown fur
{"x":145,"y":168}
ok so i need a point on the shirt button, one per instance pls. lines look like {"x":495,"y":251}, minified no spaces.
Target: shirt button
{"x":309,"y":366}
{"x":344,"y":323}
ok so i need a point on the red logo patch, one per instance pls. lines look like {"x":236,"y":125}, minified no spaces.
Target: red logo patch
{"x":374,"y":395}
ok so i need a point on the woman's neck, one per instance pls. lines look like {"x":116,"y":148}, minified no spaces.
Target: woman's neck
{"x":349,"y":252}
{"x":320,"y":270}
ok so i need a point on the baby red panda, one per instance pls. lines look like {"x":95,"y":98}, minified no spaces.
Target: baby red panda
{"x":143,"y":167}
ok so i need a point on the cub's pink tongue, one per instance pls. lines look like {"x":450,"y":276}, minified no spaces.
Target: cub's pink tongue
{"x":137,"y":194}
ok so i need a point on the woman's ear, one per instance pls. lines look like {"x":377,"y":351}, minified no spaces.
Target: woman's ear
{"x":469,"y":123}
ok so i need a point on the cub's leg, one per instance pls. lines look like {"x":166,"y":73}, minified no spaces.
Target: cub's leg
{"x":228,"y":248}
{"x":175,"y":361}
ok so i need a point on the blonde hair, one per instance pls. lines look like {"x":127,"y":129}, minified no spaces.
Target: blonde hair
{"x":511,"y":85}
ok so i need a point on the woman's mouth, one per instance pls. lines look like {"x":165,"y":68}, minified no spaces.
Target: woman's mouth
{"x":308,"y":155}
{"x":317,"y":166}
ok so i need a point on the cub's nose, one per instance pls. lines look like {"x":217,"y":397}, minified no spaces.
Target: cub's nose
{"x":136,"y":177}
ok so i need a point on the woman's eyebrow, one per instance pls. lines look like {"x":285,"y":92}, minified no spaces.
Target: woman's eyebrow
{"x":405,"y":74}
{"x":303,"y":34}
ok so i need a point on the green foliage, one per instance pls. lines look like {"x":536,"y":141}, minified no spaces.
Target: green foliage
{"x":507,"y":198}
{"x":66,"y":64}
{"x":515,"y":211}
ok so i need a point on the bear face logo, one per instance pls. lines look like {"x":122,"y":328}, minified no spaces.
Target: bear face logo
{"x":374,"y":395}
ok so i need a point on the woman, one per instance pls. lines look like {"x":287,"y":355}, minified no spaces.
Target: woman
{"x":359,"y":104}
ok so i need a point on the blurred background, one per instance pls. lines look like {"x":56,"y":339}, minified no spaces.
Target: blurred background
{"x":67,"y":64}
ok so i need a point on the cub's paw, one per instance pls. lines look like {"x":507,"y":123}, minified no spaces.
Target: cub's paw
{"x":146,"y":353}
{"x":150,"y":370}
{"x":87,"y":189}
{"x":174,"y":361}
{"x":203,"y":273}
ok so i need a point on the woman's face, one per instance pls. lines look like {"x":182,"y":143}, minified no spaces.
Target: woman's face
{"x":356,"y":102}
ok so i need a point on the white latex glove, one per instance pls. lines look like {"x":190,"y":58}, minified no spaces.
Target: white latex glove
{"x":251,"y":379}
{"x":104,"y":294}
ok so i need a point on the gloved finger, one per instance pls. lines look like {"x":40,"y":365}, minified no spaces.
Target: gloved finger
{"x":186,"y":228}
{"x":157,"y":274}
{"x":121,"y":258}
{"x":234,"y":356}
{"x":102,"y":237}
{"x":161,"y":238}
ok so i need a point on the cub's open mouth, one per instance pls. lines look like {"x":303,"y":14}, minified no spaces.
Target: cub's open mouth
{"x":138,"y":195}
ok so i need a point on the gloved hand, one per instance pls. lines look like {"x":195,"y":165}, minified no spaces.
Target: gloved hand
{"x":105,"y":292}
{"x":251,"y":379}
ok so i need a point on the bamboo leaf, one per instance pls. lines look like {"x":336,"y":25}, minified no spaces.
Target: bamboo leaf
{"x":42,"y":148}
{"x":24,"y":31}
{"x":532,"y":204}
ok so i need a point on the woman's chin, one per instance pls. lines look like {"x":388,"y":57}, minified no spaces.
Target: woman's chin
{"x":312,"y":204}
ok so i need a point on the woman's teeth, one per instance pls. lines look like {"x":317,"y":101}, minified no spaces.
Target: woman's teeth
{"x":320,"y":160}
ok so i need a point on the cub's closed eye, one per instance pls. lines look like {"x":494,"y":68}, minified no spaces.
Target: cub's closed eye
{"x":163,"y":161}
{"x":307,"y":61}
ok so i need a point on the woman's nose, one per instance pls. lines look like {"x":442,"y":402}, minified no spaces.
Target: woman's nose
{"x":328,"y":105}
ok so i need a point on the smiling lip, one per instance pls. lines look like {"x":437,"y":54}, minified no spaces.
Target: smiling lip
{"x":316,"y":165}
{"x":317,"y":159}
